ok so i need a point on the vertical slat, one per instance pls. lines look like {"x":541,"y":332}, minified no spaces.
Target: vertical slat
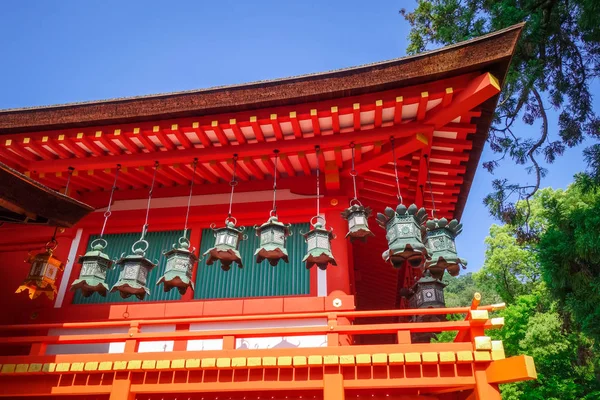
{"x":254,"y":280}
{"x":158,"y":242}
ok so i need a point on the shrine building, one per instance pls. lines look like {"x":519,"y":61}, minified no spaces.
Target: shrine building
{"x":282,"y":239}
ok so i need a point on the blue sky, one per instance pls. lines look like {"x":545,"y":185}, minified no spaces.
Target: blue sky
{"x":67,"y":51}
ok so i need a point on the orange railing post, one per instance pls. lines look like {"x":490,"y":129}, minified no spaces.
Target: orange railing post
{"x":131,"y":345}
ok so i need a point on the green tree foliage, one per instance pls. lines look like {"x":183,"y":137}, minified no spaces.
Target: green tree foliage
{"x":551,"y":286}
{"x":556,"y":59}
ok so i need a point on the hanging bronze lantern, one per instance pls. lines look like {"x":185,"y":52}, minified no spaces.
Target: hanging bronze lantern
{"x":181,"y":259}
{"x":441,"y":247}
{"x":319,"y":245}
{"x":357,"y":216}
{"x":178,"y":271}
{"x":136,"y":267}
{"x":227,"y":240}
{"x":134,"y":272}
{"x":94,"y":264}
{"x":428,"y":292}
{"x":42,"y":274}
{"x":405,"y":232}
{"x":273,"y":236}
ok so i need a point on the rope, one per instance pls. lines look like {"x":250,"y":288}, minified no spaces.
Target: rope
{"x":430,"y":187}
{"x":396,"y":170}
{"x":145,"y":227}
{"x":233,"y":184}
{"x":107,"y":214}
{"x":274,"y":209}
{"x":187,"y":213}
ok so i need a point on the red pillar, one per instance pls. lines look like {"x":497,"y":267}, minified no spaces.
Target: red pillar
{"x":338,"y":277}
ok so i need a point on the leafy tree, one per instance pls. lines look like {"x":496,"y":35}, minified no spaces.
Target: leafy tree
{"x":556,"y":59}
{"x":511,"y":269}
{"x":569,"y":254}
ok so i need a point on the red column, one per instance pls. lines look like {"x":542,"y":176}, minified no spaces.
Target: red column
{"x":338,"y":277}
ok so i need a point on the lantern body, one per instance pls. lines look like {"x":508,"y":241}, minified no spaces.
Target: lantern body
{"x":92,"y":278}
{"x":273,"y":236}
{"x":319,"y":247}
{"x":178,"y":270}
{"x":134,"y":275}
{"x":404,"y":233}
{"x":357,"y":217}
{"x":428,"y":292}
{"x":42,"y":275}
{"x":227,"y":240}
{"x":441,"y":247}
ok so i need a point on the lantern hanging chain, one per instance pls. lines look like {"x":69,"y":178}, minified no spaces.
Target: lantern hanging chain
{"x":145,"y":227}
{"x":353,"y":173}
{"x":51,"y":245}
{"x":274,"y":209}
{"x":187,"y":213}
{"x":430,"y":187}
{"x":396,"y":169}
{"x":233,"y":184}
{"x":317,"y":150}
{"x":108,"y":213}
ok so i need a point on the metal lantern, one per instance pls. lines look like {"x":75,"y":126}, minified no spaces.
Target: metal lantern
{"x":227,"y":240}
{"x":42,"y":274}
{"x":404,"y":234}
{"x":440,"y":243}
{"x":428,"y":292}
{"x":180,"y":262}
{"x":319,"y":245}
{"x":134,"y":272}
{"x":357,"y":216}
{"x":273,"y":235}
{"x":94,"y":264}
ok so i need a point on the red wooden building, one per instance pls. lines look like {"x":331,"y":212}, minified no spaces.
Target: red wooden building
{"x":259,"y":332}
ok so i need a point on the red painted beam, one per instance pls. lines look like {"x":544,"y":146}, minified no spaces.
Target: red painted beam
{"x":19,"y":151}
{"x":90,"y":144}
{"x":295,"y":125}
{"x":126,"y":141}
{"x":40,"y":150}
{"x":422,"y":107}
{"x":447,"y":99}
{"x":240,"y":172}
{"x":204,"y":139}
{"x":335,"y":120}
{"x":356,"y":116}
{"x":12,"y":157}
{"x":168,"y":172}
{"x":250,"y":150}
{"x":206,"y":174}
{"x":164,"y":139}
{"x":146,"y":142}
{"x":276,"y":128}
{"x":304,"y":162}
{"x":253,"y":168}
{"x":398,"y":110}
{"x":216,"y":128}
{"x":258,"y":133}
{"x":129,"y":175}
{"x":57,"y":148}
{"x":287,"y":164}
{"x":185,"y":142}
{"x":378,"y":113}
{"x":235,"y":128}
{"x":477,"y":91}
{"x":402,"y":149}
{"x":314,"y":117}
